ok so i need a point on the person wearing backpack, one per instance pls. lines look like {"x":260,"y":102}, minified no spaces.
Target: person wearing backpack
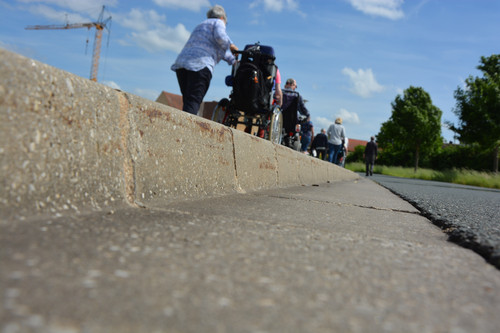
{"x":307,"y":133}
{"x":289,"y":94}
{"x":207,"y":45}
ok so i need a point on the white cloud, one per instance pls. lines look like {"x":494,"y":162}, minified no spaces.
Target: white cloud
{"x":321,"y":122}
{"x":390,"y":9}
{"x":111,"y":84}
{"x":363,"y":82}
{"x":57,"y":16}
{"x":151,"y":33}
{"x":194,"y":5}
{"x":348,"y":117}
{"x":89,"y":7}
{"x":142,"y":20}
{"x":147,"y":93}
{"x":68,"y":11}
{"x":168,"y":38}
{"x":276,"y":5}
{"x":463,"y":84}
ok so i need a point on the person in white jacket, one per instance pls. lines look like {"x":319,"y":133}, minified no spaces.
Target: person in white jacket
{"x":336,"y":139}
{"x":207,"y":45}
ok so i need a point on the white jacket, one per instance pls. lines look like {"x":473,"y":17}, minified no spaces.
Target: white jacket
{"x":336,"y":134}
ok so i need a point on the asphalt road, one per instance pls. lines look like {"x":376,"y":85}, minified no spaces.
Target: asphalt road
{"x":469,"y":215}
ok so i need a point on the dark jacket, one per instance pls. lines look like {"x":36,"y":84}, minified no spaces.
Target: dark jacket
{"x":320,"y":141}
{"x":288,"y":97}
{"x":371,"y":152}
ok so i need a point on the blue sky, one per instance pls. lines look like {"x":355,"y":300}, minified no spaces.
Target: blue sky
{"x":350,"y":58}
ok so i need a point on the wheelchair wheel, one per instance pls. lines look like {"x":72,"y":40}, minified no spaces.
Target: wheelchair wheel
{"x":297,"y":145}
{"x":220,"y":112}
{"x":276,"y":125}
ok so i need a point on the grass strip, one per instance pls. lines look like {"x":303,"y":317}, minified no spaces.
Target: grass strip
{"x":455,"y":176}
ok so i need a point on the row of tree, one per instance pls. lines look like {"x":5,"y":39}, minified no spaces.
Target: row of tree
{"x":413,"y":132}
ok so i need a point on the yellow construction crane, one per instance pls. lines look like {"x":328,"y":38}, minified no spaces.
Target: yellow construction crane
{"x":100,"y":25}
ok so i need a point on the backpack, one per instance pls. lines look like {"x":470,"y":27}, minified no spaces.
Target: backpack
{"x":249,"y":89}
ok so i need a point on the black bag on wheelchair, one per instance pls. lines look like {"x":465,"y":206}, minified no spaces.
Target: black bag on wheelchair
{"x":254,"y":79}
{"x":249,"y":93}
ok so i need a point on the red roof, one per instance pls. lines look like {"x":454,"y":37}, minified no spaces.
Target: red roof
{"x":353,"y":143}
{"x":175,"y":101}
{"x":170,"y":99}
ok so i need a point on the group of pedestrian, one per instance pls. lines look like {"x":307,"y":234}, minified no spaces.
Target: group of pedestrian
{"x":327,"y":145}
{"x":207,"y":45}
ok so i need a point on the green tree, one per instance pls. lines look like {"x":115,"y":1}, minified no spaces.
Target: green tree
{"x":414,"y":126}
{"x":356,"y":155}
{"x":478,"y":108}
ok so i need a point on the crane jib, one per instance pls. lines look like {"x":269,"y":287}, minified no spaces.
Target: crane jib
{"x":99,"y":25}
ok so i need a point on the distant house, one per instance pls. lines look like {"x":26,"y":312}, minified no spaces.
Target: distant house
{"x":169,"y":99}
{"x":353,"y":143}
{"x":175,"y":101}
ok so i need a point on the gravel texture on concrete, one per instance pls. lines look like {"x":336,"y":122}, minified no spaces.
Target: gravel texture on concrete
{"x":341,"y":257}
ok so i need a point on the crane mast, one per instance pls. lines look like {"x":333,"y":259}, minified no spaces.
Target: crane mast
{"x":100,"y":25}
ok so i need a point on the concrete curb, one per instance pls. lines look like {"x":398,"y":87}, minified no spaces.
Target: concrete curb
{"x":69,"y":145}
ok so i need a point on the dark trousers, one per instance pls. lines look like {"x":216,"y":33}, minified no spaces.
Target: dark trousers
{"x":369,"y":166}
{"x":194,"y":86}
{"x":321,"y":153}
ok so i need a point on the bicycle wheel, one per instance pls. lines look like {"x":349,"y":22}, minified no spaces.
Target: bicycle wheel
{"x":276,"y":126}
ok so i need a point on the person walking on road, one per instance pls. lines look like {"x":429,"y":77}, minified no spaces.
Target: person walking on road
{"x":371,"y":151}
{"x":336,"y":139}
{"x":319,"y":144}
{"x":207,"y":45}
{"x":307,"y":133}
{"x":289,"y":94}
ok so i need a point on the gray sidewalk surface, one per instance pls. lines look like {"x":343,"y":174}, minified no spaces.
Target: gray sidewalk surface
{"x":347,"y":256}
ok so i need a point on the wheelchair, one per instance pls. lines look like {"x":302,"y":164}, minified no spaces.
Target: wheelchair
{"x":251,"y":102}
